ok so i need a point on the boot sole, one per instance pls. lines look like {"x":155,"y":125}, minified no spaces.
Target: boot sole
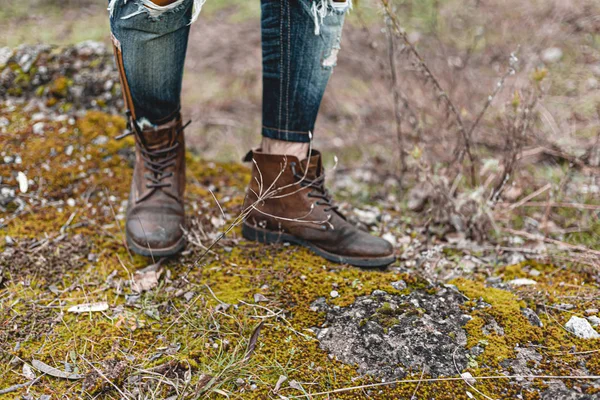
{"x":268,"y":237}
{"x":150,"y":252}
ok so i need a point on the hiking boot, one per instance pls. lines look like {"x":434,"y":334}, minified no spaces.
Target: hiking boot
{"x":289,"y":203}
{"x":155,"y":212}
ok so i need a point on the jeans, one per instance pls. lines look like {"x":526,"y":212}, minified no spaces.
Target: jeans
{"x":300,"y":43}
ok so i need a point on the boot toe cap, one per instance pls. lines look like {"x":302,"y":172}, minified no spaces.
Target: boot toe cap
{"x":160,"y":231}
{"x":373,"y":246}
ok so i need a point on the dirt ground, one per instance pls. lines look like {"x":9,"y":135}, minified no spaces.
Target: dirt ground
{"x":495,"y":293}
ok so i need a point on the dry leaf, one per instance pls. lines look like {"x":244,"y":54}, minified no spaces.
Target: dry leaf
{"x":260,"y":298}
{"x":89,"y":307}
{"x":55,"y":372}
{"x":253,"y":340}
{"x":28,"y":372}
{"x":282,"y":378}
{"x":296,"y":385}
{"x":147,"y":278}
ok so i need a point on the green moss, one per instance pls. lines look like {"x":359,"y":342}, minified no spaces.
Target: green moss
{"x":164,"y":327}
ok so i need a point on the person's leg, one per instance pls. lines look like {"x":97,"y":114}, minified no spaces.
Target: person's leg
{"x":150,"y":41}
{"x":300,"y":42}
{"x":150,"y":51}
{"x":287,"y":199}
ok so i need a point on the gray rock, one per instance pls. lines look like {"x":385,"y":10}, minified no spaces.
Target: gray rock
{"x":386,"y":335}
{"x":594,"y":321}
{"x":581,"y":328}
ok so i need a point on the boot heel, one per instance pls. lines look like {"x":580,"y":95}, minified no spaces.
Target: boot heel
{"x":255,"y":235}
{"x":265,"y":236}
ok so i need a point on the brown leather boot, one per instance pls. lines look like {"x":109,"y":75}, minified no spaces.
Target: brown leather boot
{"x":290,"y":204}
{"x":155,"y":213}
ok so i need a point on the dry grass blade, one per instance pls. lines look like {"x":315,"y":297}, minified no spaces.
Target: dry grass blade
{"x":428,"y":380}
{"x":16,"y":387}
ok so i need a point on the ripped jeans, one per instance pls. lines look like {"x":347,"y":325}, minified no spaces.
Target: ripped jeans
{"x":300,"y":42}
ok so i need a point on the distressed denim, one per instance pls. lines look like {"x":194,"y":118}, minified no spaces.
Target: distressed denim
{"x":300,"y":43}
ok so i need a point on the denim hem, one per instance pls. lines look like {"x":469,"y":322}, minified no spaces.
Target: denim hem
{"x":288,"y":136}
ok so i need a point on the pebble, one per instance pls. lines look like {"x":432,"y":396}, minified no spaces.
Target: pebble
{"x":367,"y":217}
{"x":399,"y":285}
{"x":468,"y":378}
{"x":552,"y":55}
{"x":334,"y":294}
{"x":38,"y":128}
{"x":581,"y":328}
{"x":378,"y":292}
{"x":522,"y":282}
{"x":5,"y":54}
{"x":493,"y":280}
{"x":390,"y":238}
{"x":591,"y":311}
{"x":71,"y":202}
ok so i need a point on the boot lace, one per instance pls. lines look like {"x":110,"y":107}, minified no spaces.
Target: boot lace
{"x":157,"y":161}
{"x":318,"y":186}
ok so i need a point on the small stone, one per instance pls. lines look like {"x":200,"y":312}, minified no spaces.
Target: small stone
{"x":367,"y":217}
{"x":591,"y":311}
{"x":390,"y":238}
{"x":492,"y":280}
{"x":552,"y":55}
{"x":38,"y":128}
{"x":592,"y":84}
{"x":71,"y":202}
{"x":399,"y":285}
{"x":534,"y":273}
{"x":9,"y":241}
{"x":100,"y":140}
{"x":594,"y":321}
{"x":378,"y":292}
{"x":581,"y":328}
{"x":5,"y":55}
{"x":468,"y":378}
{"x":334,"y":294}
{"x":23,"y":182}
{"x":565,"y":306}
{"x":522,"y":282}
{"x":464,"y":318}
